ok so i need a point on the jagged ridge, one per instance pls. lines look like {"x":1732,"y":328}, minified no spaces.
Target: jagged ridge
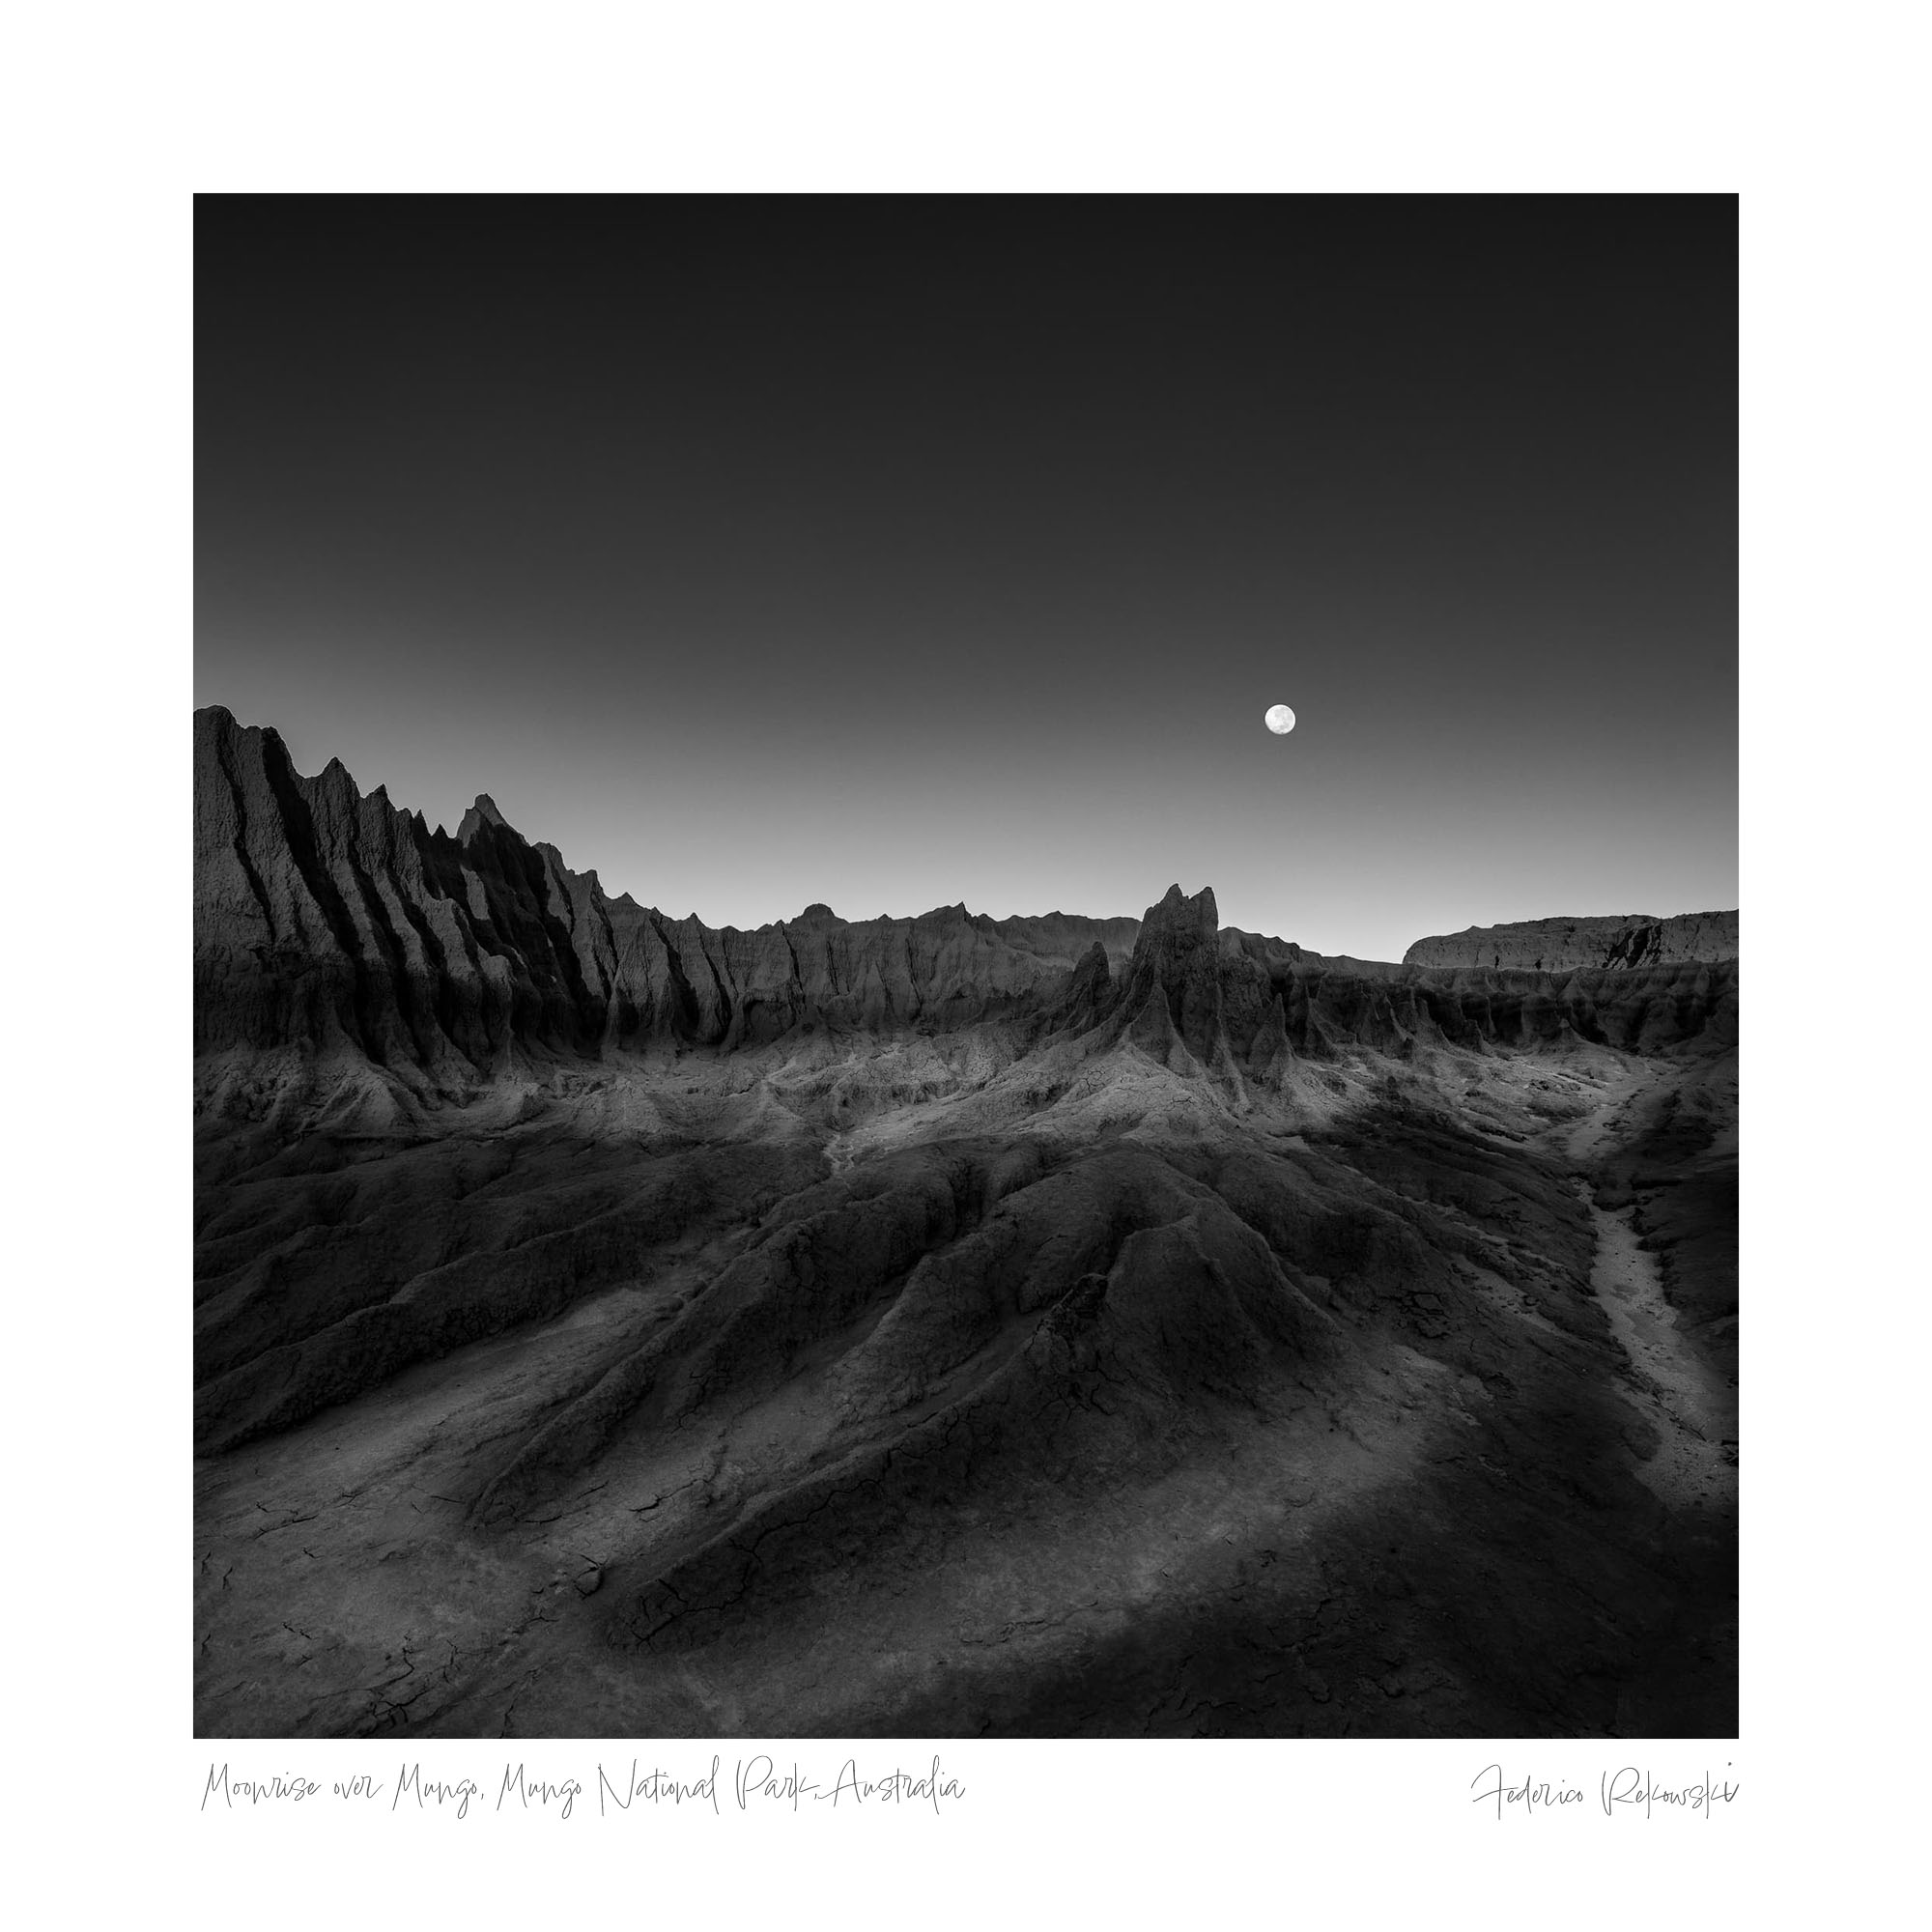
{"x":333,"y":923}
{"x":329,"y":920}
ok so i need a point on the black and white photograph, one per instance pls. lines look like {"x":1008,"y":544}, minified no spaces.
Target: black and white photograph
{"x":877,"y":963}
{"x":966,"y":969}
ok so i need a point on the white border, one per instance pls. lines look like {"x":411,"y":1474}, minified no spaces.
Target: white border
{"x":123,"y":112}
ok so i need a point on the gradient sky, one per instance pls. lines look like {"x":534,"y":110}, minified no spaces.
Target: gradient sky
{"x":893,"y":553}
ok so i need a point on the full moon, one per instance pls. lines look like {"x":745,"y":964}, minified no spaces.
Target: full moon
{"x":1280,"y":718}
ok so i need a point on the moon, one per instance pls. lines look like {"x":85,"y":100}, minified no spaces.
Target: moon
{"x":1280,"y":720}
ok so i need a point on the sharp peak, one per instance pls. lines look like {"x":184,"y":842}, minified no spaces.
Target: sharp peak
{"x":483,"y":812}
{"x":1175,"y":898}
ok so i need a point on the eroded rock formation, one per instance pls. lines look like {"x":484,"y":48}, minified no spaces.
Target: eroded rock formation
{"x":329,"y":920}
{"x":609,"y":1324}
{"x":1619,"y":942}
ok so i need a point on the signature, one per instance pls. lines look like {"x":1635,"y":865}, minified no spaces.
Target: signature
{"x":1627,"y":1788}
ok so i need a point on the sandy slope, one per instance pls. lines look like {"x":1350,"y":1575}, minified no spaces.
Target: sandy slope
{"x":1138,"y":1401}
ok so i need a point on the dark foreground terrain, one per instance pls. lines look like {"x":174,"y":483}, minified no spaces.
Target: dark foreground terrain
{"x":606,"y":1325}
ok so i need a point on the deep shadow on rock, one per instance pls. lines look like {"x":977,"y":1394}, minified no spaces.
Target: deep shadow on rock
{"x":610,"y":1326}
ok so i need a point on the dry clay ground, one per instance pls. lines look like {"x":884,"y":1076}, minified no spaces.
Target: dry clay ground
{"x":916,"y":1389}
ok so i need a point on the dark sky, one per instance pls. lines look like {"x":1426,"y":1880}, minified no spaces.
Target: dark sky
{"x":899,"y":552}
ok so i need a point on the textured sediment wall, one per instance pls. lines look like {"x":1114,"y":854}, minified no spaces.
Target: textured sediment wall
{"x":327,"y":918}
{"x":1614,"y":943}
{"x":331,"y":923}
